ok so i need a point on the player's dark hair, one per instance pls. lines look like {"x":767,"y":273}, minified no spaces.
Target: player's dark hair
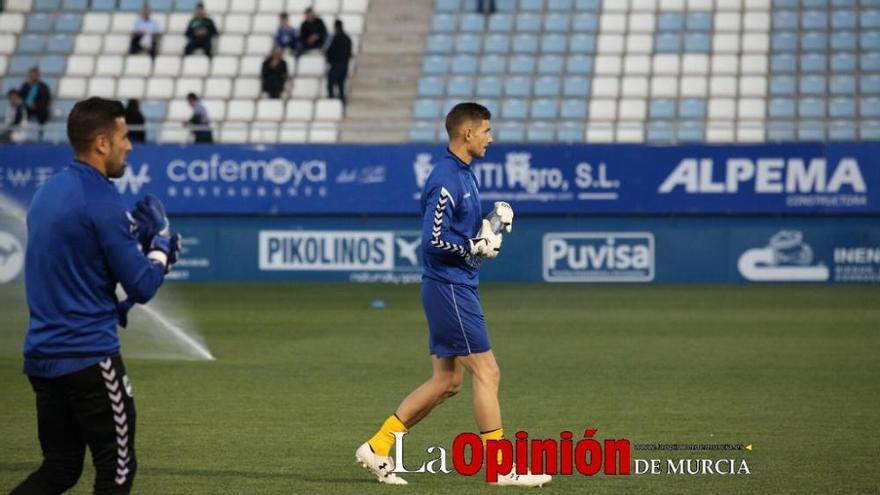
{"x":91,"y":118}
{"x":463,"y":113}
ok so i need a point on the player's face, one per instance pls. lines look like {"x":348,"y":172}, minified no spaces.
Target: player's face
{"x":119,"y":148}
{"x":480,"y":139}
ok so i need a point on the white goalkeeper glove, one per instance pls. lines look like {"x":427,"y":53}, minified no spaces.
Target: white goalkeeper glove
{"x":501,"y":217}
{"x":487,"y":243}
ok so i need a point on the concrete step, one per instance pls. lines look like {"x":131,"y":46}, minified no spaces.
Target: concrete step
{"x":373,"y":136}
{"x":373,"y":110}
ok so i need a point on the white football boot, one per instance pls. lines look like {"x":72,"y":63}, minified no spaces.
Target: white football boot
{"x":528,"y":479}
{"x":382,"y":467}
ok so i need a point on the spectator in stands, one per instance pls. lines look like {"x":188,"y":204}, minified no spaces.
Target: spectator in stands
{"x":200,"y":32}
{"x":313,"y":33}
{"x":274,"y":73}
{"x":286,"y":36}
{"x":145,"y":36}
{"x":486,"y":6}
{"x":36,"y":97}
{"x":135,"y":121}
{"x":199,"y":123}
{"x":14,"y":122}
{"x":338,"y":56}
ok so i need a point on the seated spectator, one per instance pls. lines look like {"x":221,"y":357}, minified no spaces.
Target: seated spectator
{"x":199,"y":123}
{"x":274,"y":73}
{"x":338,"y":55}
{"x":145,"y":36}
{"x":312,"y":32}
{"x":36,"y":97}
{"x":286,"y":36}
{"x":200,"y":32}
{"x":486,"y":6}
{"x":135,"y":121}
{"x":14,"y":122}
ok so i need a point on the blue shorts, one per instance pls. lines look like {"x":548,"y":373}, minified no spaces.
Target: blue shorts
{"x":456,"y":323}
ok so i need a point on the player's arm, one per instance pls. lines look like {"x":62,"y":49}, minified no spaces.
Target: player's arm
{"x":442,"y":199}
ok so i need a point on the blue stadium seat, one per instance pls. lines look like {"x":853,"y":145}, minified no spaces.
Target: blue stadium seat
{"x":435,"y":64}
{"x":559,"y":5}
{"x":579,"y":64}
{"x":661,"y":109}
{"x":161,"y":5}
{"x":540,"y":132}
{"x":811,"y":130}
{"x":448,"y":5}
{"x":869,"y":84}
{"x":534,"y":5}
{"x":843,"y":3}
{"x":783,"y":42}
{"x":20,"y":64}
{"x":440,"y":43}
{"x":38,"y":23}
{"x":870,"y":19}
{"x":525,"y":43}
{"x":670,"y":21}
{"x":489,"y":86}
{"x":68,"y":23}
{"x":576,"y":86}
{"x":61,"y":108}
{"x":32,"y":43}
{"x":570,"y":132}
{"x":842,"y":131}
{"x":426,"y":109}
{"x":493,"y":64}
{"x":52,"y":83}
{"x":556,"y":23}
{"x":697,"y":43}
{"x":52,"y":65}
{"x":74,"y":5}
{"x":814,"y":4}
{"x":544,"y":109}
{"x":514,"y":108}
{"x":814,"y":62}
{"x":506,"y":5}
{"x":463,"y":64}
{"x":870,"y":62}
{"x":782,"y":85}
{"x":582,"y":43}
{"x":783,"y":63}
{"x":691,"y":108}
{"x":547,"y":86}
{"x":512,"y":132}
{"x":586,"y":5}
{"x":585,"y":23}
{"x":660,"y":132}
{"x":843,"y":19}
{"x":869,"y":106}
{"x":473,"y":23}
{"x":131,"y":5}
{"x":468,"y":43}
{"x":528,"y":22}
{"x":573,"y":109}
{"x":811,"y":108}
{"x":843,"y":62}
{"x":554,"y":43}
{"x":47,"y":5}
{"x":842,"y":85}
{"x":842,"y":108}
{"x":699,"y":21}
{"x":430,"y":86}
{"x":667,"y":43}
{"x":491,"y":104}
{"x":185,"y":5}
{"x":781,"y":107}
{"x":496,"y":43}
{"x":814,"y":19}
{"x":869,"y":130}
{"x":550,"y":64}
{"x":443,"y":23}
{"x":870,"y":40}
{"x":518,"y":86}
{"x":690,"y":132}
{"x":60,"y":43}
{"x":522,"y":64}
{"x":423,"y":132}
{"x":814,"y":42}
{"x":501,"y":22}
{"x":843,"y":41}
{"x":812,"y":85}
{"x":460,"y":86}
{"x":110,"y":5}
{"x":785,"y":20}
{"x":780,"y":131}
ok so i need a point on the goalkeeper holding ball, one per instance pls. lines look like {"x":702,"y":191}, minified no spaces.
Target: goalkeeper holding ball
{"x":455,"y":241}
{"x":81,"y":243}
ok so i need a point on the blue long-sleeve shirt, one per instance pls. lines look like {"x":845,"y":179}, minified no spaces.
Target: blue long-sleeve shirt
{"x":451,"y":215}
{"x":81,"y":243}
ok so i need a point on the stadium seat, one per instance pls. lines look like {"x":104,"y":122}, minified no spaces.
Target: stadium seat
{"x":109,"y":65}
{"x":160,"y":88}
{"x":440,"y":43}
{"x":550,"y":65}
{"x":11,"y":22}
{"x":514,"y":108}
{"x":493,"y":64}
{"x":556,"y":23}
{"x":167,"y":66}
{"x":518,"y":86}
{"x":501,"y":22}
{"x":116,"y":44}
{"x":101,"y":86}
{"x":468,"y":43}
{"x":488,"y":86}
{"x":131,"y":87}
{"x":426,"y":109}
{"x":73,"y":88}
{"x":52,"y":65}
{"x":812,"y":85}
{"x":573,"y":109}
{"x":299,"y":110}
{"x":575,"y":86}
{"x":460,"y":86}
{"x":270,"y":111}
{"x":32,"y":43}
{"x":582,"y":43}
{"x":464,"y":64}
{"x":512,"y":132}
{"x":305,"y":87}
{"x":547,"y":86}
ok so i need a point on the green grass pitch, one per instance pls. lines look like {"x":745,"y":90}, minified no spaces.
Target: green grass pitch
{"x":305,"y":373}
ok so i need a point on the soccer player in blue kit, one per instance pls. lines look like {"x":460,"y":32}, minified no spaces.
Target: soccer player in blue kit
{"x":455,"y":241}
{"x":82,"y":242}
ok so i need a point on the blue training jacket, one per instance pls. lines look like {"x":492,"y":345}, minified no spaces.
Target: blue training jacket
{"x":81,"y":242}
{"x":451,"y":216}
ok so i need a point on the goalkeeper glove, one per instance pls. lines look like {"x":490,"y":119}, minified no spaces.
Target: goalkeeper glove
{"x":164,"y":250}
{"x":487,"y":243}
{"x":501,"y":217}
{"x":149,"y":214}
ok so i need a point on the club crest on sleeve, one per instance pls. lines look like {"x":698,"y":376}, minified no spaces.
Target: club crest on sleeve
{"x":132,"y":225}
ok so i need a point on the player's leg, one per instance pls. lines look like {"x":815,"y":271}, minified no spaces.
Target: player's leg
{"x":443,"y":384}
{"x":60,"y":440}
{"x":105,"y":410}
{"x":486,"y":379}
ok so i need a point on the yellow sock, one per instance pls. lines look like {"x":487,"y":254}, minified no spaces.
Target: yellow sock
{"x":383,"y":440}
{"x":493,"y":435}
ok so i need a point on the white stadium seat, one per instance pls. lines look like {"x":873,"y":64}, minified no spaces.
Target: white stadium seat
{"x":695,"y":64}
{"x":216,"y":109}
{"x":104,"y":87}
{"x":603,"y":109}
{"x":187,"y":85}
{"x":178,"y":21}
{"x":138,"y":65}
{"x":637,"y":65}
{"x":251,"y":66}
{"x":606,"y":87}
{"x":300,"y":110}
{"x":88,"y":44}
{"x":293,"y":132}
{"x":167,"y":66}
{"x":632,"y":109}
{"x":131,"y":87}
{"x":115,"y":44}
{"x":19,"y":5}
{"x":310,"y":66}
{"x":174,"y":132}
{"x":240,"y":110}
{"x":80,"y":65}
{"x":693,"y":87}
{"x":179,"y":111}
{"x":160,"y":88}
{"x":352,"y":23}
{"x":264,"y":133}
{"x":11,"y":22}
{"x":123,"y":22}
{"x":270,"y":110}
{"x":219,"y":87}
{"x":72,"y":88}
{"x":243,"y":6}
{"x":237,"y":24}
{"x":272,"y":6}
{"x":172,"y":44}
{"x":195,"y":66}
{"x":109,"y":65}
{"x":355,"y":6}
{"x":234,"y":133}
{"x":305,"y":87}
{"x":259,"y":44}
{"x":751,"y":108}
{"x":7,"y":43}
{"x":246,"y":87}
{"x":214,"y":7}
{"x":230,"y":44}
{"x":721,"y":108}
{"x":224,"y":66}
{"x":753,"y":86}
{"x":96,"y":22}
{"x":323,"y":132}
{"x":722,"y":86}
{"x":265,"y":24}
{"x":328,"y":110}
{"x":664,"y":87}
{"x":666,"y":64}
